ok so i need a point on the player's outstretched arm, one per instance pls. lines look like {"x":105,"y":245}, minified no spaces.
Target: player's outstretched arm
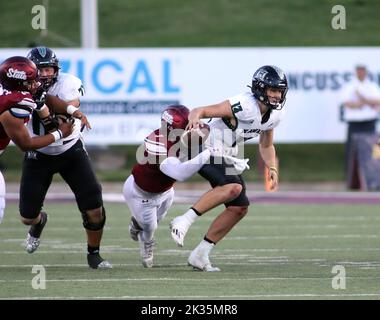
{"x":220,"y":110}
{"x":182,"y":171}
{"x":18,"y":133}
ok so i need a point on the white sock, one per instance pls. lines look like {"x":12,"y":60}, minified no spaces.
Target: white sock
{"x":190,"y":215}
{"x":205,"y":246}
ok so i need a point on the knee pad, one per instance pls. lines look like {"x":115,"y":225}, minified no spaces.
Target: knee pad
{"x":93,"y":226}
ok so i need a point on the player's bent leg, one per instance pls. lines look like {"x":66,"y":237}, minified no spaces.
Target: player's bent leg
{"x":2,"y":208}
{"x":88,"y":193}
{"x":134,"y":204}
{"x":147,"y":209}
{"x":199,"y":257}
{"x":35,"y":181}
{"x":164,"y":204}
{"x":225,"y":221}
{"x":94,"y":221}
{"x":134,"y":229}
{"x":146,"y":251}
{"x":180,"y":225}
{"x":143,"y":208}
{"x":2,"y":196}
{"x":36,"y":226}
{"x":149,"y":224}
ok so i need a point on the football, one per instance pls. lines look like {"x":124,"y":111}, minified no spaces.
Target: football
{"x":195,"y":136}
{"x":63,"y":117}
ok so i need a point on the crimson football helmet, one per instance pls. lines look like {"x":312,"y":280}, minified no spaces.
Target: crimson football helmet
{"x":18,"y":74}
{"x":175,"y":117}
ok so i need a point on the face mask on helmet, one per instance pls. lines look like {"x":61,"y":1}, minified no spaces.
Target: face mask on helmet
{"x":45,"y":58}
{"x":272,"y":79}
{"x":46,"y":77}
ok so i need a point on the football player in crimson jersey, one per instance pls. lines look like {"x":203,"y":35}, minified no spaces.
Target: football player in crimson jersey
{"x":240,"y":118}
{"x":18,"y":82}
{"x":149,"y":191}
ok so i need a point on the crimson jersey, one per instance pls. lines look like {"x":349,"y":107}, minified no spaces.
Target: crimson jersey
{"x":148,"y":175}
{"x":19,"y":104}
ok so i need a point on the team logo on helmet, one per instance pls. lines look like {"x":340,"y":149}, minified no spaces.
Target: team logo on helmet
{"x":261,"y":73}
{"x":16,"y":74}
{"x":42,"y":51}
{"x":167,"y":117}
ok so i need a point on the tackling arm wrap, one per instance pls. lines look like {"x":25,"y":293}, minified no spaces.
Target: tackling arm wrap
{"x":181,"y":171}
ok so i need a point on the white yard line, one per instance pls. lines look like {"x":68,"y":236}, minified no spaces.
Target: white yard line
{"x":187,"y":251}
{"x":191,"y":279}
{"x":249,"y":261}
{"x":199,"y":227}
{"x":57,"y":217}
{"x":315,"y":236}
{"x":177,"y":297}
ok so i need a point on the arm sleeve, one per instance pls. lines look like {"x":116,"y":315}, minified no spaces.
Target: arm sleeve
{"x":181,"y":171}
{"x":23,"y":108}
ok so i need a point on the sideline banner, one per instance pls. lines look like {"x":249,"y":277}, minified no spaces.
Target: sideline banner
{"x":126,"y":89}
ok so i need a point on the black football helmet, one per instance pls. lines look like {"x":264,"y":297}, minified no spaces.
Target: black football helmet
{"x":269,"y":77}
{"x":45,"y":57}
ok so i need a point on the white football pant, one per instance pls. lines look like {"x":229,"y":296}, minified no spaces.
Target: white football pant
{"x":146,"y":207}
{"x":2,"y":196}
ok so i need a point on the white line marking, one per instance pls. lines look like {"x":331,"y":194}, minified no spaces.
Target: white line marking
{"x":190,"y":279}
{"x":178,"y":297}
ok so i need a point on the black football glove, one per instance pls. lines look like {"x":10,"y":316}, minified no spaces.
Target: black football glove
{"x":50,"y":123}
{"x":40,"y":97}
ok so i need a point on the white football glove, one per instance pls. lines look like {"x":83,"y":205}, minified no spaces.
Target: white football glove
{"x":219,"y":149}
{"x":215,"y":151}
{"x":239,"y":164}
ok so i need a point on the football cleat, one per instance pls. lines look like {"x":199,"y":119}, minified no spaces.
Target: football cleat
{"x":32,"y":243}
{"x":179,"y":227}
{"x":200,"y":261}
{"x":134,"y":229}
{"x":146,"y":252}
{"x":95,"y":261}
{"x":33,"y":236}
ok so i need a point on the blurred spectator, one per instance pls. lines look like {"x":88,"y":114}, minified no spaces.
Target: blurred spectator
{"x":361,"y":105}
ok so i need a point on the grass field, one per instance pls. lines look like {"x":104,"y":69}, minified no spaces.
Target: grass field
{"x":276,"y":252}
{"x":204,"y":23}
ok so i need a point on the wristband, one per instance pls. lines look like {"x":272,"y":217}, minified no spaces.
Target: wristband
{"x":43,"y":112}
{"x":71,"y":109}
{"x":274,"y":169}
{"x":57,"y":134}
